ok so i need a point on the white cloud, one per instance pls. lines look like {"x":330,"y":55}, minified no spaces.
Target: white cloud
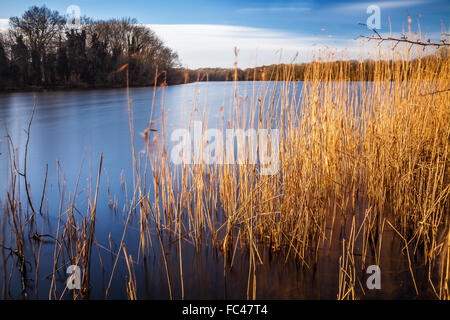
{"x":362,"y":6}
{"x":273,"y":9}
{"x":4,"y":24}
{"x":213,"y":45}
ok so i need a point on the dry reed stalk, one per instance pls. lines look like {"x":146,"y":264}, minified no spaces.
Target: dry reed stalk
{"x":344,"y":148}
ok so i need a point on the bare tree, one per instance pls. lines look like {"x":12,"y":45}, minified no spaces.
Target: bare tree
{"x":40,"y":28}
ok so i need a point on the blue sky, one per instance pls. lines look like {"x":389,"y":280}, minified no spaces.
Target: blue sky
{"x":205,"y":32}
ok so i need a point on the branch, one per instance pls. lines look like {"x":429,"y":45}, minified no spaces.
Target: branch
{"x":404,"y":39}
{"x":16,"y":169}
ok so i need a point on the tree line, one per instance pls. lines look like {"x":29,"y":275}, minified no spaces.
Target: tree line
{"x":41,"y":50}
{"x":351,"y":70}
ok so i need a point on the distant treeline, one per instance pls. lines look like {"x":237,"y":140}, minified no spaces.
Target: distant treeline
{"x":40,"y":50}
{"x":352,"y":70}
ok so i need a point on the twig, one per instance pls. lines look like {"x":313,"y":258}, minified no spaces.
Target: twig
{"x":404,"y":39}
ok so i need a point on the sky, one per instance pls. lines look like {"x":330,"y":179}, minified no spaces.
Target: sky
{"x":204,"y":33}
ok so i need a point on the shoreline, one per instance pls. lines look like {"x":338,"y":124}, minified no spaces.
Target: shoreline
{"x":71,"y":88}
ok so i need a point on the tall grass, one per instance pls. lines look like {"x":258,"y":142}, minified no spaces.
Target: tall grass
{"x":377,"y":151}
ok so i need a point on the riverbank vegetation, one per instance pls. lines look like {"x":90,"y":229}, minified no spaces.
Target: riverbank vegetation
{"x":364,"y":169}
{"x":352,"y":70}
{"x":40,"y":51}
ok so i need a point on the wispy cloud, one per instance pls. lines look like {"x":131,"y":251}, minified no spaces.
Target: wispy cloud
{"x":212,"y":45}
{"x":362,"y":6}
{"x":273,"y":9}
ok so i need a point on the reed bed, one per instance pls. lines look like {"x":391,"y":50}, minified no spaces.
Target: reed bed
{"x":375,"y":151}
